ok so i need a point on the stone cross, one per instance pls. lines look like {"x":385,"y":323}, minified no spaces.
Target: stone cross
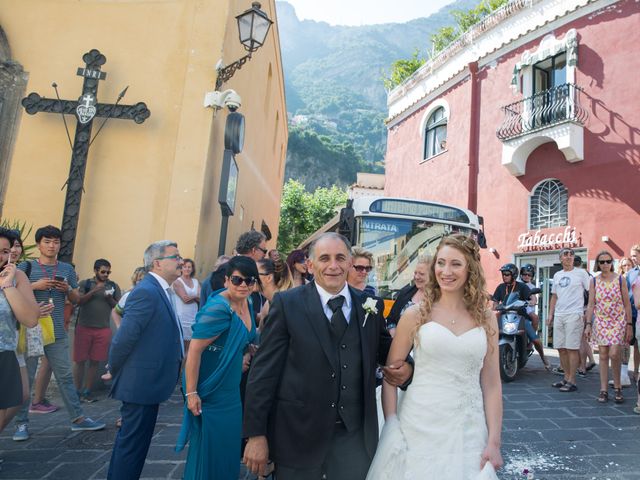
{"x":85,"y":109}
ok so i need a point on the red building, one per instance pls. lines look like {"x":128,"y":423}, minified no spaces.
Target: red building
{"x":532,"y":120}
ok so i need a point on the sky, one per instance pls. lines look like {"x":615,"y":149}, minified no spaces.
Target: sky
{"x":365,"y":12}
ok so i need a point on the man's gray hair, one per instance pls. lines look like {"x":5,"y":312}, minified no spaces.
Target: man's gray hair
{"x":249,"y":240}
{"x":155,"y":251}
{"x":333,"y":235}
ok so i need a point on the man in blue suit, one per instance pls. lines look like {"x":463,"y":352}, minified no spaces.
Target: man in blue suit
{"x":145,"y":358}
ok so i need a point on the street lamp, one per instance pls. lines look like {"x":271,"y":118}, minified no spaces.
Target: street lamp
{"x":253,"y":26}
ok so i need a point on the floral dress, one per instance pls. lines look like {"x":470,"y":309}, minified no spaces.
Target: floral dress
{"x":609,"y":323}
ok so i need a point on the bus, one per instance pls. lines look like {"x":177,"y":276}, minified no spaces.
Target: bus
{"x":397,"y":231}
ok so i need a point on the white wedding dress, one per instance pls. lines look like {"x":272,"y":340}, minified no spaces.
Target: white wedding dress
{"x":440,"y":431}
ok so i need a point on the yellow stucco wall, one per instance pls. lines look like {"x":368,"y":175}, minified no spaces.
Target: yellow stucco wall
{"x":158,"y":179}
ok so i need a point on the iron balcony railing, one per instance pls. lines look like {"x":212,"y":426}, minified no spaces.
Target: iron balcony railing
{"x":556,"y":105}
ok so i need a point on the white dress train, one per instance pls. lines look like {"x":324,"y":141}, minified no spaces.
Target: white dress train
{"x":440,"y":431}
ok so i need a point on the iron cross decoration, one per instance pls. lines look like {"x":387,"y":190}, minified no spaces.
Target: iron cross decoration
{"x":85,"y":109}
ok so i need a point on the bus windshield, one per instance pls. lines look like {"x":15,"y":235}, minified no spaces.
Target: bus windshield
{"x":396,"y":244}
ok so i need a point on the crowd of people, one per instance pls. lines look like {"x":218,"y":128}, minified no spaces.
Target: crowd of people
{"x":279,"y":357}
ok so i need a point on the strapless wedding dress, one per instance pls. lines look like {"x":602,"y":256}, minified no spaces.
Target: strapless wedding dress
{"x":440,"y":431}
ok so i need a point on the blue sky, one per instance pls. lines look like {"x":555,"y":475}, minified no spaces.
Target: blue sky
{"x":365,"y":12}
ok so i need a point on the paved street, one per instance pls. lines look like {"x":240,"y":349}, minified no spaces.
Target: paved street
{"x":556,"y":435}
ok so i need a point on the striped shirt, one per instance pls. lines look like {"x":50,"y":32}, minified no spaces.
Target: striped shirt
{"x":39,"y":271}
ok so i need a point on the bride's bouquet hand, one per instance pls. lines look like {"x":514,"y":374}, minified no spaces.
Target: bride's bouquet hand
{"x":492,"y":455}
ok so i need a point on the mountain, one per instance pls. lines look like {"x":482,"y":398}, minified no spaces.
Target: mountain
{"x":335,"y":97}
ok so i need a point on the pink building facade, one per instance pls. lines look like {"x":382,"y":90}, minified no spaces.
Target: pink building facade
{"x":531,"y":120}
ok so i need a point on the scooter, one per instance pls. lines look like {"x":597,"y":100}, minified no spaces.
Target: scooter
{"x":515,"y":348}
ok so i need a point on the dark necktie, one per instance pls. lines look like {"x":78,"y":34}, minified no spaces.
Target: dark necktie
{"x":338,"y":321}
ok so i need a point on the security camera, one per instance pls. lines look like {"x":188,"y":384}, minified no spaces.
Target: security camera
{"x":228,"y":98}
{"x":232,"y":100}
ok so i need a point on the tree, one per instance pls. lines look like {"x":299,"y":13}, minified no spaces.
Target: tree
{"x":402,"y":69}
{"x":302,"y":213}
{"x":465,"y":19}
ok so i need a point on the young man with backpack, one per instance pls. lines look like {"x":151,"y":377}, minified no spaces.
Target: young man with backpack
{"x":98,"y":297}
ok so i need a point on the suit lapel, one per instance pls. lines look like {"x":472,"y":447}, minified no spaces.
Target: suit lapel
{"x":318,"y":320}
{"x":357,"y":301}
{"x":164,"y":297}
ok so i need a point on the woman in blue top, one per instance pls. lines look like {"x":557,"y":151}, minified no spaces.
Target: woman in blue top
{"x":212,"y":421}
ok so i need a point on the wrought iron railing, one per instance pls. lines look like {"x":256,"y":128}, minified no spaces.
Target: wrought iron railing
{"x":556,"y":105}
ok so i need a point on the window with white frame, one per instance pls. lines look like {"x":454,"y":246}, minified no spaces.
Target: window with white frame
{"x":549,"y":205}
{"x":435,"y":135}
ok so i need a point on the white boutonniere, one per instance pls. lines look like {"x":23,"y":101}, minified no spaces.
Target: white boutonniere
{"x":369,"y":307}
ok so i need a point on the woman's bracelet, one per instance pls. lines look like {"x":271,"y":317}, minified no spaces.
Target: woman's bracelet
{"x":190,"y":393}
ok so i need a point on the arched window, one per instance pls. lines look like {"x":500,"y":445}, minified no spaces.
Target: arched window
{"x":435,"y":137}
{"x":548,"y":207}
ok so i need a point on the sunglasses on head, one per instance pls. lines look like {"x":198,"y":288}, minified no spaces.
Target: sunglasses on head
{"x":362,"y":268}
{"x":608,"y":262}
{"x":237,"y":281}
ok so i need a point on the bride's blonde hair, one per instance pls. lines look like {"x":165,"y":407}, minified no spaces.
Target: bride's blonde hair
{"x":475,"y":296}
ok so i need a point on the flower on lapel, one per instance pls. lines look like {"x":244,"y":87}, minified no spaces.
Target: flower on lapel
{"x":369,"y":307}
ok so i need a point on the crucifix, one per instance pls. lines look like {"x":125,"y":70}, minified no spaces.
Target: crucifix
{"x":85,"y":109}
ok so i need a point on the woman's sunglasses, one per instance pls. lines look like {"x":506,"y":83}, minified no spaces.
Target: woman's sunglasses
{"x":362,"y":268}
{"x":237,"y":281}
{"x":602,"y":262}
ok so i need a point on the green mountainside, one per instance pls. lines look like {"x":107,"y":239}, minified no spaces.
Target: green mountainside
{"x":336,"y":100}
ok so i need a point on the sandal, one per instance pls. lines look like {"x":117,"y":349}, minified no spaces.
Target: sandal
{"x":559,"y":384}
{"x":119,"y":422}
{"x":568,"y":387}
{"x":591,"y":366}
{"x":618,"y":398}
{"x":603,"y":397}
{"x":547,"y":365}
{"x":636,"y":409}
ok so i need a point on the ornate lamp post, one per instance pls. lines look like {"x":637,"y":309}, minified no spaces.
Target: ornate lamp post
{"x":253,"y":26}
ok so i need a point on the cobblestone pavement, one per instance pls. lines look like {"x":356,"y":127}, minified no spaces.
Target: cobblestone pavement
{"x":556,"y":435}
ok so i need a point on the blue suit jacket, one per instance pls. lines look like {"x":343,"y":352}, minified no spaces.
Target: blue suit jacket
{"x":146,"y":354}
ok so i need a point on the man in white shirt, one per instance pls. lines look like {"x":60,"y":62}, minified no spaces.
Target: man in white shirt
{"x":566,"y":312}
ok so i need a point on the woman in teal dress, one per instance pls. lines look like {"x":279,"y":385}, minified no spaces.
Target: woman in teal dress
{"x":212,"y":422}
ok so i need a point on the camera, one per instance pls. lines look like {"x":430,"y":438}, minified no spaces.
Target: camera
{"x":229,"y":98}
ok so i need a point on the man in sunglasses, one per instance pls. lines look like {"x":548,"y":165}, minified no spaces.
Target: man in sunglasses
{"x":98,"y":296}
{"x":566,"y":313}
{"x":145,"y":358}
{"x":310,"y":404}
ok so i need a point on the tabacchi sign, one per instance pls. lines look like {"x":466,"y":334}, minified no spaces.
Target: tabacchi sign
{"x":548,"y":241}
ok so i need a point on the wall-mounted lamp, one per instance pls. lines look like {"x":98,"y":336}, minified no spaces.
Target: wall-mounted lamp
{"x":253,"y":26}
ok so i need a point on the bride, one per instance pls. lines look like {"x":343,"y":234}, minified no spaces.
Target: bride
{"x":447,"y":426}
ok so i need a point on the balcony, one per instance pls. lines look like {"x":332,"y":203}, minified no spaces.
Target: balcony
{"x":554,"y":115}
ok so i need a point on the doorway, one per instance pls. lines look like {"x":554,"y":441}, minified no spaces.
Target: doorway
{"x":546,"y":264}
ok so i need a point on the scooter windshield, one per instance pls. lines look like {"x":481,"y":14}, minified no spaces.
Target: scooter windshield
{"x":512,"y":298}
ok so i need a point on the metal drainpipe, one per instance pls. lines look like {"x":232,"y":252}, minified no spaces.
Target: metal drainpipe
{"x":474,"y":120}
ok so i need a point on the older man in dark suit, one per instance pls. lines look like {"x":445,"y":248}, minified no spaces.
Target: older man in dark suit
{"x":310,"y":402}
{"x":145,"y":358}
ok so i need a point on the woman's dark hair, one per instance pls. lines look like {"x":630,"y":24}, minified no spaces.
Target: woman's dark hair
{"x":9,"y":235}
{"x":267,"y":264}
{"x":49,"y":231}
{"x":193,"y":266}
{"x":245,"y":265}
{"x":296,"y":256}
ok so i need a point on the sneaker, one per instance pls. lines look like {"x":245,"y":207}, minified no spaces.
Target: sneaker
{"x":87,"y":425}
{"x":49,"y":404}
{"x":558,"y":370}
{"x":22,"y":433}
{"x":42,"y":408}
{"x":87,"y":397}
